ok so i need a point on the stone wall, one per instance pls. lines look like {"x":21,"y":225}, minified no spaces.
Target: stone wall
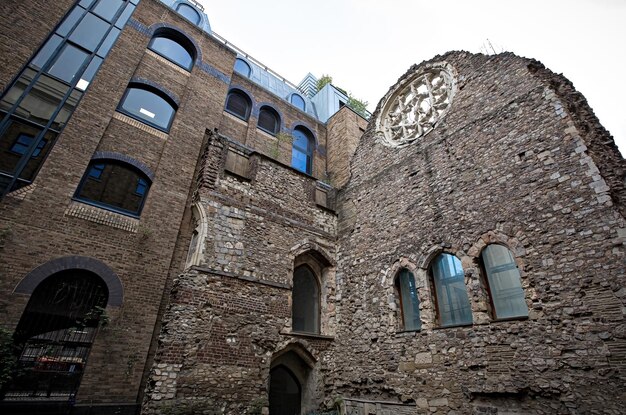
{"x":506,"y":165}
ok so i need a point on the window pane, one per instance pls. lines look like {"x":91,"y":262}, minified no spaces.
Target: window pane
{"x":149,"y":107}
{"x":89,"y":73}
{"x":298,"y":101}
{"x":268,"y":121}
{"x":452,"y":300}
{"x":107,"y":9}
{"x":188,"y":13}
{"x":16,"y":91}
{"x":106,"y":46}
{"x":68,"y":63}
{"x":409,"y":300}
{"x":305,"y":301}
{"x":242,"y":68}
{"x":128,"y":11}
{"x":86,"y":3}
{"x":238,"y":104}
{"x":70,"y":21}
{"x":172,"y":50}
{"x":503,"y":276}
{"x":46,"y":51}
{"x":300,"y":161}
{"x":90,"y":32}
{"x":300,"y":140}
{"x":68,"y":108}
{"x":114,"y":186}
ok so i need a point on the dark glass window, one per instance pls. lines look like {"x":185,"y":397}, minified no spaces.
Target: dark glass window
{"x":55,"y":334}
{"x":409,"y":301}
{"x":269,"y":120}
{"x":148,"y":106}
{"x":68,"y":63}
{"x":23,"y":143}
{"x":114,"y":185}
{"x":453,"y":306}
{"x":298,"y":101}
{"x":302,"y":150}
{"x":189,"y":13}
{"x":305,"y":301}
{"x":242,"y":67}
{"x":503,"y":280}
{"x":172,"y":50}
{"x":238,"y":103}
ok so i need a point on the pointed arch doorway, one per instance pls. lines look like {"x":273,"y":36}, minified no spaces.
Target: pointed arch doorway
{"x":285,"y":392}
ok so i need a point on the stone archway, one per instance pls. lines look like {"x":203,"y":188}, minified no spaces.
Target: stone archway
{"x":293,"y":382}
{"x":285,"y":392}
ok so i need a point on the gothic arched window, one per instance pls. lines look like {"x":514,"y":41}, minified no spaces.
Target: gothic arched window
{"x":305,"y":301}
{"x":409,"y":301}
{"x":453,"y":306}
{"x":503,"y":282}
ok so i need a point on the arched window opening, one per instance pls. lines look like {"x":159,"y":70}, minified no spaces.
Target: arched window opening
{"x":409,"y":301}
{"x":189,"y":13}
{"x":302,"y":150}
{"x":55,"y":334}
{"x":305,"y":301}
{"x":242,"y":67}
{"x":148,"y":105}
{"x":298,"y":101}
{"x":503,"y":282}
{"x":238,"y":104}
{"x":173,"y":47}
{"x":285,"y":392}
{"x":453,"y":306}
{"x":114,"y":185}
{"x":198,"y":235}
{"x":269,"y":120}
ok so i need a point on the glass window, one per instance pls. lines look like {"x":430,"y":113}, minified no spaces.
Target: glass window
{"x":68,"y":63}
{"x":238,"y":103}
{"x":302,"y":150}
{"x":89,"y":32}
{"x":106,"y":46}
{"x":453,"y":304}
{"x":128,"y":11}
{"x":108,"y":8}
{"x":70,"y":21}
{"x":148,"y":107}
{"x":47,"y":51}
{"x":172,"y":51}
{"x":409,"y":301}
{"x":114,"y":185}
{"x":503,"y":277}
{"x":305,"y":301}
{"x":298,"y":101}
{"x":242,"y":68}
{"x":189,"y":13}
{"x":269,"y":120}
{"x":23,"y":143}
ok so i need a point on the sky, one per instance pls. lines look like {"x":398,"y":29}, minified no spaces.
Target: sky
{"x":366,"y":45}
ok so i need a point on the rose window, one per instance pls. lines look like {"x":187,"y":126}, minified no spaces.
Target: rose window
{"x":414,"y":107}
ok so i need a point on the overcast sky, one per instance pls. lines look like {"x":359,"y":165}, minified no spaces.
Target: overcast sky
{"x":366,"y":45}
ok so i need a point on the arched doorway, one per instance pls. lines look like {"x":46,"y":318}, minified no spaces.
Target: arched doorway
{"x":285,"y":392}
{"x":55,"y":333}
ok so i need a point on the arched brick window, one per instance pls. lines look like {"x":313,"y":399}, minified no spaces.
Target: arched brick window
{"x":305,"y":301}
{"x":503,"y":282}
{"x":302,"y":150}
{"x":409,"y":302}
{"x":452,"y":301}
{"x":238,"y":104}
{"x":269,"y":120}
{"x":174,"y":46}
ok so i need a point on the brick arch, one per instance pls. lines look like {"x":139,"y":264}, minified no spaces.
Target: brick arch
{"x":116,"y":291}
{"x":156,"y":87}
{"x":307,"y":127}
{"x":110,"y":155}
{"x":156,"y":28}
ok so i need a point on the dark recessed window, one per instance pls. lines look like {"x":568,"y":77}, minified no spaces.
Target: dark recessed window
{"x":305,"y":301}
{"x":173,"y":49}
{"x":114,"y":185}
{"x":239,"y":104}
{"x":409,"y":302}
{"x":453,"y":306}
{"x":242,"y":68}
{"x":269,"y":120}
{"x":298,"y":101}
{"x":302,"y":150}
{"x":148,"y":105}
{"x":189,"y":13}
{"x":503,"y":280}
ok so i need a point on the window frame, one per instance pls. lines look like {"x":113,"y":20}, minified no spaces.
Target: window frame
{"x":189,"y":6}
{"x":249,"y":74}
{"x":179,"y":39}
{"x":154,"y":91}
{"x":318,"y":301}
{"x":246,"y":97}
{"x":399,"y":296}
{"x":303,"y":109}
{"x":108,"y":161}
{"x":310,"y":151}
{"x":270,"y":110}
{"x":437,"y":306}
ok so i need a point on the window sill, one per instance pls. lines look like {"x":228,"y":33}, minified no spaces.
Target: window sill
{"x":308,"y":335}
{"x":453,"y":326}
{"x":508,"y":319}
{"x":266,"y":132}
{"x":169,"y":62}
{"x":236,"y":117}
{"x":101,"y":215}
{"x":139,"y":124}
{"x":406,"y":333}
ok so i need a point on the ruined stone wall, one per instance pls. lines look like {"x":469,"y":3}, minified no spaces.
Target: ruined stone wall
{"x":509,"y":165}
{"x":230,"y":312}
{"x":344,"y":129}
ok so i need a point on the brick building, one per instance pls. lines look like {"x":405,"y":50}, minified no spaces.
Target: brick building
{"x":182,"y":230}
